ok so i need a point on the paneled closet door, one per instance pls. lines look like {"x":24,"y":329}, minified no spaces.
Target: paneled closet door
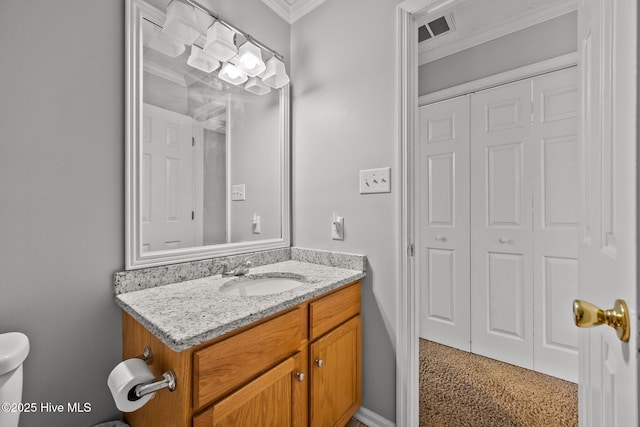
{"x":501,"y":237}
{"x":555,"y":224}
{"x":442,"y":189}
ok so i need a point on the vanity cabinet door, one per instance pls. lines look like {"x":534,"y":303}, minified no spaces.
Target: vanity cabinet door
{"x":300,"y":386}
{"x":336,"y":375}
{"x":265,"y":401}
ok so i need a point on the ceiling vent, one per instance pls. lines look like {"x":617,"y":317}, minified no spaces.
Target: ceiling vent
{"x":435,"y":28}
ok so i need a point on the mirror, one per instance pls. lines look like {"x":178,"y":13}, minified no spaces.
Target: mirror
{"x":207,"y":161}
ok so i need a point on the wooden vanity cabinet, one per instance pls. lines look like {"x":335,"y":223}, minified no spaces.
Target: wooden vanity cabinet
{"x":264,"y":374}
{"x":335,"y":356}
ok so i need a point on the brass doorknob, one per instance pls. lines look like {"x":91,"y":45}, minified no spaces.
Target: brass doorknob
{"x":587,"y":315}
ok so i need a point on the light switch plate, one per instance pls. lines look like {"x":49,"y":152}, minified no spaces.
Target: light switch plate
{"x":237,"y":192}
{"x":375,"y":181}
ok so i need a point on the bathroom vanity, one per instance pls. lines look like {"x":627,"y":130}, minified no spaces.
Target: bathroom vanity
{"x":290,"y":356}
{"x":285,"y":358}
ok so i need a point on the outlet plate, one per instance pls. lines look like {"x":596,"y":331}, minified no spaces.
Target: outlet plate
{"x":375,"y":181}
{"x":337,"y":227}
{"x":237,"y":192}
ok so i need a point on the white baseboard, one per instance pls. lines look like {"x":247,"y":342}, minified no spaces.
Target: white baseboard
{"x":371,"y":419}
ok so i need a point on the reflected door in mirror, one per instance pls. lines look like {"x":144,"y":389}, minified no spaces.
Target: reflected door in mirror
{"x":168,"y":181}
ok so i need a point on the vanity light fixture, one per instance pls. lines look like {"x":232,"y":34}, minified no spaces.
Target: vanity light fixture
{"x":200,"y":60}
{"x":166,"y":44}
{"x":181,"y":22}
{"x":275,"y":74}
{"x":232,"y":74}
{"x":220,"y":44}
{"x":250,"y":59}
{"x":257,"y":86}
{"x":181,"y":28}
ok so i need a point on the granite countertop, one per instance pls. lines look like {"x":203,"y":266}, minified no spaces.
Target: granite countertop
{"x":185,"y":314}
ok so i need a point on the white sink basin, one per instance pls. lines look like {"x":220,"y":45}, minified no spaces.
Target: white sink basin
{"x":260,"y":286}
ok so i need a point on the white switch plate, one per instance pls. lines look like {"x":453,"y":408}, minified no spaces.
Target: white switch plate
{"x":237,"y":192}
{"x":375,"y":181}
{"x":337,"y":227}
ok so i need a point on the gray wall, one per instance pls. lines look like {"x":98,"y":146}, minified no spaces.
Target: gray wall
{"x":61,"y":186}
{"x":534,"y":44}
{"x":254,"y":151}
{"x":343,"y":74}
{"x":214,"y":215}
{"x":62,"y":190}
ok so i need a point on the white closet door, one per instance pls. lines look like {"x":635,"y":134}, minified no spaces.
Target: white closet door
{"x":555,"y":227}
{"x":442,"y":165}
{"x":501,"y":238}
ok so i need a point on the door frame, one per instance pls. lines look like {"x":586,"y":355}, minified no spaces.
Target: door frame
{"x":407,"y":294}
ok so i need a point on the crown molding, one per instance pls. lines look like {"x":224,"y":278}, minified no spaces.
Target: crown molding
{"x":555,"y":10}
{"x":292,"y":10}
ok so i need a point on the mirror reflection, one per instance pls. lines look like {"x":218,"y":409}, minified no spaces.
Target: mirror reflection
{"x":212,"y":162}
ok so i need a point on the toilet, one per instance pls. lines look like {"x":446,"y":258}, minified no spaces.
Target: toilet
{"x":14,"y":348}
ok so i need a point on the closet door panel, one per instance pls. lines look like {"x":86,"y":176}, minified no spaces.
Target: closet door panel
{"x":501,"y":242}
{"x":442,"y":195}
{"x":555,"y":226}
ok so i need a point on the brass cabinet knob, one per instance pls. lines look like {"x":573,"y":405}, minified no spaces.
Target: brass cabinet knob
{"x":300,"y":376}
{"x":587,"y":315}
{"x":319,"y":363}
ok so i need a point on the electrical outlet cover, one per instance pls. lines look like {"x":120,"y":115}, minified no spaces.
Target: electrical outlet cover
{"x":337,"y":227}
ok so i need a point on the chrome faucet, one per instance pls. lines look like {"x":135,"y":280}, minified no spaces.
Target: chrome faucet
{"x":239,"y":270}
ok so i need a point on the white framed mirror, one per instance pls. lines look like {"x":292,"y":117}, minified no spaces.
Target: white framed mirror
{"x":207,"y":161}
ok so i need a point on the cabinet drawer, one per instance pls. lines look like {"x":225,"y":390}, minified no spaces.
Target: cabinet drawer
{"x":332,"y":310}
{"x":264,"y":401}
{"x":224,"y":366}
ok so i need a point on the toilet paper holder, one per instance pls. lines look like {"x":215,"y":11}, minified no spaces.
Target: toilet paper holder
{"x":167,"y":381}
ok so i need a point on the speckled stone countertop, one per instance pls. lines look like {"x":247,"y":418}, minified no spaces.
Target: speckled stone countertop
{"x":185,"y":314}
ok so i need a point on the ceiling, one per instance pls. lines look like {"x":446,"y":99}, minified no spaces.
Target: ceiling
{"x":479,"y":21}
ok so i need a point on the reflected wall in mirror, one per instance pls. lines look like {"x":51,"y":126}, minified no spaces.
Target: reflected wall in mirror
{"x":207,"y":160}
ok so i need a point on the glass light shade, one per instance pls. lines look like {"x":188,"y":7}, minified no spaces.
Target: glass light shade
{"x":230,"y":73}
{"x":257,"y":86}
{"x":275,"y":75}
{"x":198,"y":59}
{"x":250,"y":59}
{"x":181,"y":22}
{"x":220,"y":43}
{"x":165,"y":44}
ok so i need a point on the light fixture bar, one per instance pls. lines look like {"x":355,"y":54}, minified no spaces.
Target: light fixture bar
{"x":235,"y":29}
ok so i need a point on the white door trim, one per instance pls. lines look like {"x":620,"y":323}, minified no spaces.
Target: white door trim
{"x":532,"y":70}
{"x":406,"y":294}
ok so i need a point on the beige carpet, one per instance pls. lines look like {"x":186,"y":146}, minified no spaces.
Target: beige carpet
{"x":355,"y":423}
{"x":459,"y":389}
